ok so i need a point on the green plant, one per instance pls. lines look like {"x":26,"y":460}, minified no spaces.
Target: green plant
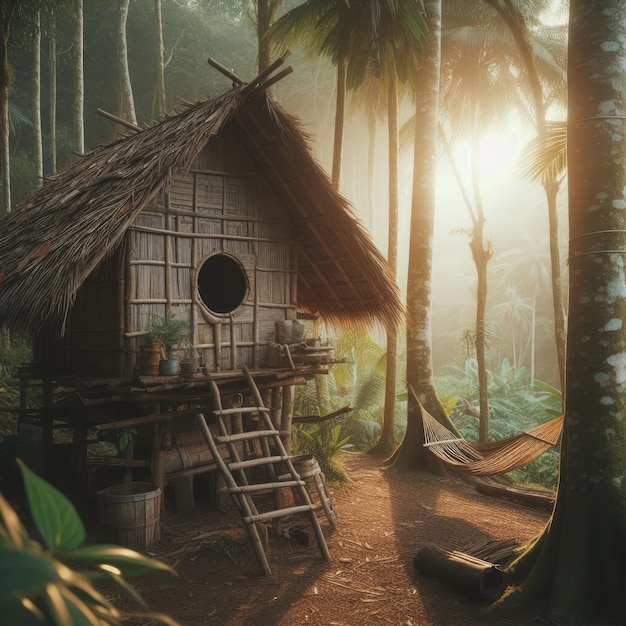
{"x":323,"y":441}
{"x":168,"y":332}
{"x":54,"y":582}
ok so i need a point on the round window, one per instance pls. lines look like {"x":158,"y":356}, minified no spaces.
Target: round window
{"x":222,"y":283}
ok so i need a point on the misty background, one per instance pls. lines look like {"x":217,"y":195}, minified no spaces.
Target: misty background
{"x":517,"y":222}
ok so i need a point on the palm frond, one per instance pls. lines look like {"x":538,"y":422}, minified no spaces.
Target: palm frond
{"x":545,"y":156}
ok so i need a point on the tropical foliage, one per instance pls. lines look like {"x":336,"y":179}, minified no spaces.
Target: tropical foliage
{"x":55,"y":581}
{"x":514,"y":406}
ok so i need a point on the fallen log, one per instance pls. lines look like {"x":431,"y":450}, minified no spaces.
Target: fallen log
{"x":480,"y":579}
{"x":528,"y":497}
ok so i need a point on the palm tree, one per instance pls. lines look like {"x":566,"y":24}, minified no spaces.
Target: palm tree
{"x":411,"y":453}
{"x":477,"y":92}
{"x":356,"y":37}
{"x":397,"y":39}
{"x":577,"y":567}
{"x":380,"y":38}
{"x":526,"y":266}
{"x":265,"y":16}
{"x":523,"y":21}
{"x":513,"y":313}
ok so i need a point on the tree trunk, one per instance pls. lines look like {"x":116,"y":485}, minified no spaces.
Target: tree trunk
{"x":36,"y":99}
{"x":266,"y":13}
{"x":481,"y":256}
{"x":371,"y":159}
{"x":160,"y":86}
{"x":126,"y":103}
{"x":53,"y":94}
{"x":340,"y":109}
{"x":517,"y":26}
{"x":5,"y":85}
{"x":411,"y":453}
{"x":551,"y":188}
{"x":79,"y":81}
{"x":578,"y":567}
{"x":387,"y":442}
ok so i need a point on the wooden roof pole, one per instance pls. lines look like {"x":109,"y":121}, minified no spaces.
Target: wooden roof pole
{"x":224,"y":70}
{"x":256,"y":83}
{"x":119,"y":120}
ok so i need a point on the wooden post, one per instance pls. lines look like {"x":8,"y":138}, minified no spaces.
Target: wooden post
{"x":286,"y":419}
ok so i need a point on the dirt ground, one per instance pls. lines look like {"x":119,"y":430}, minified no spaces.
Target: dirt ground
{"x":385,"y":517}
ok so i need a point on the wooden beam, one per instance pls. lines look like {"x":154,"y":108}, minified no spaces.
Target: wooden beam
{"x":224,"y":70}
{"x":119,"y":120}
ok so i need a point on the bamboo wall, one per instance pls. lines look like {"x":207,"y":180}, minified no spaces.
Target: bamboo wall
{"x":219,"y":206}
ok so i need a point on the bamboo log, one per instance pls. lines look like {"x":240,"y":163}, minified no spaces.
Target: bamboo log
{"x":308,"y":419}
{"x":144,"y":419}
{"x":480,"y":579}
{"x":119,"y":120}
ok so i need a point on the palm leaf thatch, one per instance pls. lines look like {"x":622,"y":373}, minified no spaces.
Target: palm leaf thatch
{"x":64,"y":231}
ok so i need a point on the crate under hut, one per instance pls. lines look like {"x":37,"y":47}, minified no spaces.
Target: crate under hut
{"x":217,"y":215}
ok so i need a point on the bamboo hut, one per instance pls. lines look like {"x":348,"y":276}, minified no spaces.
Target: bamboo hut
{"x":218,"y":215}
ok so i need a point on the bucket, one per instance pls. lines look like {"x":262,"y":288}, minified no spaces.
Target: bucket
{"x":129,"y":514}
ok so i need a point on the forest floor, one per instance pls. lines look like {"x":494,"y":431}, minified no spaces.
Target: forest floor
{"x":385,"y":517}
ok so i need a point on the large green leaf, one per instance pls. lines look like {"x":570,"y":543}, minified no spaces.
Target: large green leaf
{"x":129,"y":562}
{"x":25,"y":572}
{"x":53,"y":514}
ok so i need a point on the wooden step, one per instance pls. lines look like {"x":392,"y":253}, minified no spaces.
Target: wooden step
{"x":264,"y":486}
{"x":241,"y":409}
{"x":249,"y":434}
{"x":294,"y":510}
{"x":265,"y":460}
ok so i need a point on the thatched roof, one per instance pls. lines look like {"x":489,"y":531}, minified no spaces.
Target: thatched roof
{"x":64,"y":230}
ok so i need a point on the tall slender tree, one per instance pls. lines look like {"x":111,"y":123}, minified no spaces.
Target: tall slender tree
{"x":126,"y":105}
{"x":419,"y":336}
{"x":36,"y":97}
{"x":18,"y":22}
{"x":325,"y":28}
{"x":518,"y":16}
{"x":160,"y":85}
{"x":52,"y":88}
{"x":265,"y":16}
{"x":578,"y":566}
{"x":79,"y":79}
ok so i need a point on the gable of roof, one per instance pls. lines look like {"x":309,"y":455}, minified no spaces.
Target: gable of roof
{"x":64,"y":230}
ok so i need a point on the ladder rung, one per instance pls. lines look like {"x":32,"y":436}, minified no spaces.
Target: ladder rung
{"x":241,"y":409}
{"x":294,"y":510}
{"x":263,"y":460}
{"x":250,"y":434}
{"x":264,"y":486}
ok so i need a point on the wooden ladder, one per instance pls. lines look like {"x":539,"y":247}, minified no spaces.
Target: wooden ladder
{"x":236,"y":471}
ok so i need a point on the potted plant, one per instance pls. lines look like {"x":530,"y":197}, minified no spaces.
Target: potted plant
{"x":189,"y":365}
{"x":168,"y":332}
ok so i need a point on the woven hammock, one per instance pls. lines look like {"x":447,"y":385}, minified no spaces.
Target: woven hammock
{"x":489,"y":459}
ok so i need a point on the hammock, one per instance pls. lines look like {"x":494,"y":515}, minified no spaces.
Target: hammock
{"x":488,"y":459}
